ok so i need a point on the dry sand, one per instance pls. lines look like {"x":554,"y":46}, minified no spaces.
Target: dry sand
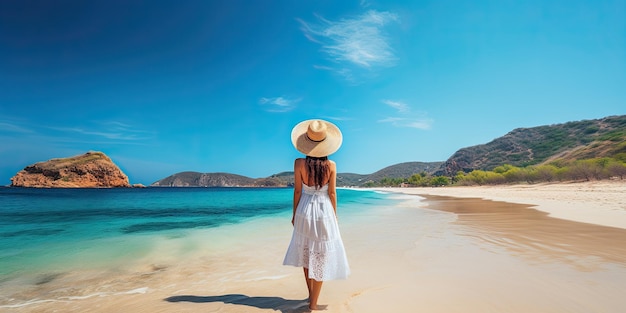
{"x":595,"y":202}
{"x":443,"y":254}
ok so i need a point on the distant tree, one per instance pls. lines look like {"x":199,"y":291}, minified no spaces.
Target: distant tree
{"x":478,"y":177}
{"x":416,"y":180}
{"x":616,"y":169}
{"x":530,"y":174}
{"x":514,"y":175}
{"x":461,"y":179}
{"x":586,"y":169}
{"x":602,"y":162}
{"x":386,"y":181}
{"x":493,"y":178}
{"x":440,"y":181}
{"x":503,"y":168}
{"x":370,"y":184}
{"x":563,"y":173}
{"x":546,"y":173}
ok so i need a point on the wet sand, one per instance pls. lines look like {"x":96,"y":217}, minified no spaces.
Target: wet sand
{"x":427,"y":253}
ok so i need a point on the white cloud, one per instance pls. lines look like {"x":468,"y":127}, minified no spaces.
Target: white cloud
{"x":112,"y":130}
{"x":346,"y":73}
{"x":278,"y":104}
{"x":91,"y":134}
{"x":105,"y":134}
{"x":323,"y":67}
{"x":418,"y":123}
{"x":400,"y":106}
{"x":339,"y":118}
{"x":14,"y":128}
{"x":116,"y":124}
{"x":407,"y":119}
{"x":359,"y":41}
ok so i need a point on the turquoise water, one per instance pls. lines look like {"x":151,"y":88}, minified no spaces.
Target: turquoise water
{"x":89,"y":227}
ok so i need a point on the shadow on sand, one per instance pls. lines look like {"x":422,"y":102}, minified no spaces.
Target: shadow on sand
{"x":275,"y":303}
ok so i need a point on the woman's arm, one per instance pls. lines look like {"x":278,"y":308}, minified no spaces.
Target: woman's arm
{"x":332,"y":186}
{"x":297,"y":186}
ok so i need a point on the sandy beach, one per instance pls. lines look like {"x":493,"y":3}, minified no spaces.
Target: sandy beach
{"x":595,"y":202}
{"x":535,"y":248}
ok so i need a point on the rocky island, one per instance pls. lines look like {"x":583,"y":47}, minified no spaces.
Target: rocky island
{"x":90,"y":170}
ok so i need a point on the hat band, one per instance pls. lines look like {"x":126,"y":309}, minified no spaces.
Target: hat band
{"x":307,"y":136}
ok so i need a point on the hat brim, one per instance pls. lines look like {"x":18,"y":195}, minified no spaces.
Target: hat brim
{"x":328,"y":146}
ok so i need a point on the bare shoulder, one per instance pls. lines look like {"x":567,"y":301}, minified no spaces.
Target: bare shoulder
{"x":299,"y":163}
{"x":333,"y":165}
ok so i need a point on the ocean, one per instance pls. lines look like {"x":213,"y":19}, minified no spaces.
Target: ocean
{"x":221,"y":249}
{"x":44,"y":231}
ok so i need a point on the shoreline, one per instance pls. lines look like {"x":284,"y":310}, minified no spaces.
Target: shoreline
{"x":595,"y":202}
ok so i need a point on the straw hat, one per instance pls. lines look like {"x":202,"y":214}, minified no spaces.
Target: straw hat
{"x":316,"y":138}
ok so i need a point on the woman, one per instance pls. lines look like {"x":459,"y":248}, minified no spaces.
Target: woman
{"x":316,"y":244}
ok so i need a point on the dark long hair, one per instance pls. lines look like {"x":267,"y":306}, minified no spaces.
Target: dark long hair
{"x":318,"y":169}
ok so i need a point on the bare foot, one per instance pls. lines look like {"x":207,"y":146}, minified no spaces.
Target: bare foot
{"x":317,"y":307}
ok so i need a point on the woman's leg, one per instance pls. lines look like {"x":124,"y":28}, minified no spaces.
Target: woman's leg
{"x":307,"y":280}
{"x":316,"y":288}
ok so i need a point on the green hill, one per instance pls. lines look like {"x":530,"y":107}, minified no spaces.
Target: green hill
{"x":196,"y":179}
{"x":604,"y":137}
{"x":404,"y":170}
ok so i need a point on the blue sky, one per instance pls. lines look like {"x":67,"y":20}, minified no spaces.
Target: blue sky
{"x":216,"y":86}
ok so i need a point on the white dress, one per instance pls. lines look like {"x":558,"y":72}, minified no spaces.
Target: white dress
{"x":316,"y":243}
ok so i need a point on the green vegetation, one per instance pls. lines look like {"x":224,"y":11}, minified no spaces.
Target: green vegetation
{"x":616,"y":136}
{"x":559,"y":170}
{"x":422,"y":179}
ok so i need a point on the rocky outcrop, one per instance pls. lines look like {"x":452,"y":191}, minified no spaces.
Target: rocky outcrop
{"x":90,"y":170}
